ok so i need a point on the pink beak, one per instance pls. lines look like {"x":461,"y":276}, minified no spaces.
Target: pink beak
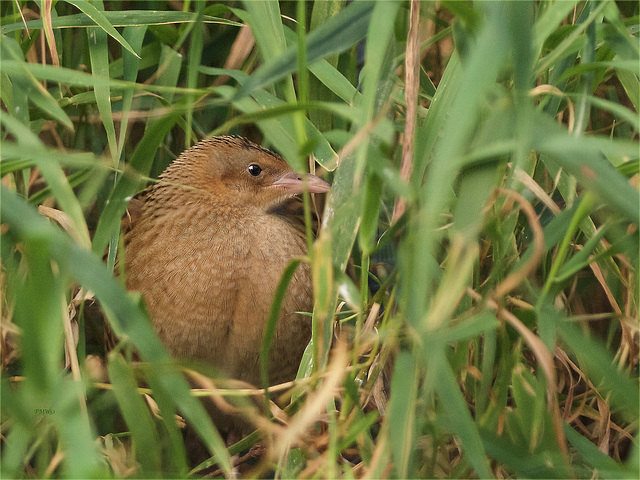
{"x":295,"y":183}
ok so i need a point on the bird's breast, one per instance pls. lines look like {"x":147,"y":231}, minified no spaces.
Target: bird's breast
{"x":208,"y":278}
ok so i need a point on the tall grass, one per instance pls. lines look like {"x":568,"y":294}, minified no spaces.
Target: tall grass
{"x":475,"y":277}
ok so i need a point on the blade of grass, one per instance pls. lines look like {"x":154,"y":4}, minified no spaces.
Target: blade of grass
{"x":402,"y":412}
{"x":58,"y":183}
{"x":95,"y":14}
{"x":458,"y":415}
{"x":195,"y":55}
{"x":334,"y":36}
{"x":135,"y":412}
{"x":24,"y":80}
{"x":127,"y":321}
{"x":129,"y":184}
{"x":99,"y":55}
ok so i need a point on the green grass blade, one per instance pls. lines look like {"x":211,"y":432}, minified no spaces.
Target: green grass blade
{"x":402,"y":413}
{"x":99,"y":54}
{"x":127,"y":321}
{"x":460,"y":418}
{"x":127,"y":18}
{"x":336,"y":35}
{"x":621,"y":388}
{"x":135,"y":412}
{"x":26,"y":82}
{"x":98,"y":17}
{"x":130,"y":183}
{"x":54,"y":175}
{"x":583,"y":158}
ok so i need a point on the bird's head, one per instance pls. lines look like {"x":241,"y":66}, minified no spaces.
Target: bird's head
{"x":238,"y":172}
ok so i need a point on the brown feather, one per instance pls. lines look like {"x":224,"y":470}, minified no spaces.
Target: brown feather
{"x":206,"y":247}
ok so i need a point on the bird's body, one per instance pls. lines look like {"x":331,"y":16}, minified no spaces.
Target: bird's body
{"x":208,"y":249}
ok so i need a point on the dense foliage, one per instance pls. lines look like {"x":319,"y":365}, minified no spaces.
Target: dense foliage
{"x":475,"y":276}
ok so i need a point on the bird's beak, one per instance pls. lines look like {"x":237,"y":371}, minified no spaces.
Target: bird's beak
{"x":293,"y":182}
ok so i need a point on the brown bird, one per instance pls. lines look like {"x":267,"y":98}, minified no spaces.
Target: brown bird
{"x":207,"y":250}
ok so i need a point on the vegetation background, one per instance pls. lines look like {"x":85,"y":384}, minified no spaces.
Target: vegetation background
{"x":484,"y":162}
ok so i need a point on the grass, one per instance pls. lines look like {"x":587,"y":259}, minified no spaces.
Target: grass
{"x":475,"y":277}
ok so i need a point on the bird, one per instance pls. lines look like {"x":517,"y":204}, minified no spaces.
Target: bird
{"x":206,"y":250}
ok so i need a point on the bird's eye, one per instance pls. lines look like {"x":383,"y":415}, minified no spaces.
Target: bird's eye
{"x":254,"y":170}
